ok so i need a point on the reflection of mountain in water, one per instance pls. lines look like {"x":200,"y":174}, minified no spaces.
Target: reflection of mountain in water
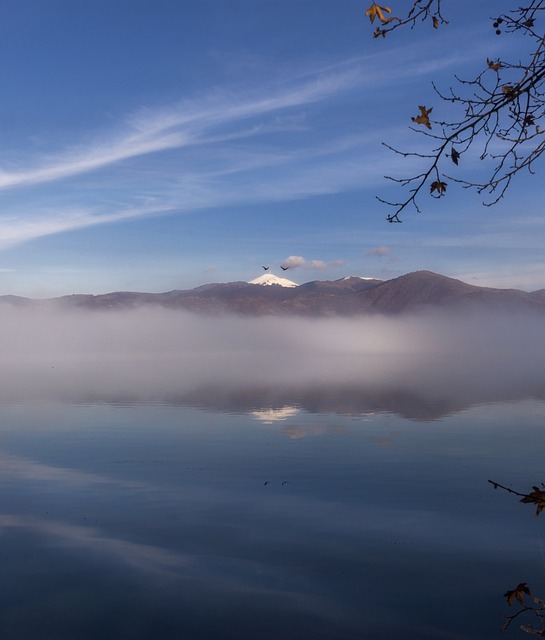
{"x":271,"y":405}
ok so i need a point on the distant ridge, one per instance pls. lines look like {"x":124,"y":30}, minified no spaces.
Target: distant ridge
{"x":349,"y":296}
{"x":427,"y":289}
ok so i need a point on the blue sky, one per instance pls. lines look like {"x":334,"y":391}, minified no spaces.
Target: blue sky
{"x":159,"y":144}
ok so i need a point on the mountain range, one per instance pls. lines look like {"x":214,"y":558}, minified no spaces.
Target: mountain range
{"x":352,"y":295}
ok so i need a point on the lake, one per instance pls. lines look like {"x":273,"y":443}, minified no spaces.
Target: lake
{"x":262,"y":513}
{"x":175,"y":478}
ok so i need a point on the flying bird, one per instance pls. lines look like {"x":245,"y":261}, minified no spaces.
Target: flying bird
{"x":266,"y":268}
{"x":284,"y":268}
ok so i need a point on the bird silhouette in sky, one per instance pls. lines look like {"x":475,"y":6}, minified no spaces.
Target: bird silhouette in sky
{"x":266,"y":268}
{"x":284,"y":268}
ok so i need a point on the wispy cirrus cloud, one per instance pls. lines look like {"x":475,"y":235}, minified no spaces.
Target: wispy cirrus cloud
{"x":46,"y":222}
{"x":185,"y":124}
{"x":213,"y":150}
{"x":200,"y":120}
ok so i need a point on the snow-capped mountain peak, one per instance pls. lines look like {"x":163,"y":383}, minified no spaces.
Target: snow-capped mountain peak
{"x":270,"y":278}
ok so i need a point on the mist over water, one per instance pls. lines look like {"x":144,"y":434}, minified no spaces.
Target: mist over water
{"x":162,"y":353}
{"x":171,"y":475}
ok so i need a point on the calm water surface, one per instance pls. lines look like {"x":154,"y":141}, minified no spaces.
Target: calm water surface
{"x":257,"y":515}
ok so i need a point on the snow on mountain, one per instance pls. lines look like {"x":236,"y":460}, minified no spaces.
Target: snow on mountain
{"x":270,"y":278}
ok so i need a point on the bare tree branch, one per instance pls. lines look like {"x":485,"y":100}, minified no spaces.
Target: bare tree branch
{"x":519,"y":594}
{"x":499,"y":111}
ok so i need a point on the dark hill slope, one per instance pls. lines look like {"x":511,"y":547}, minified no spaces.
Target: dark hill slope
{"x":425,"y":289}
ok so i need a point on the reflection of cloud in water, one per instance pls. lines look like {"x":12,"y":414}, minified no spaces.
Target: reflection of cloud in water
{"x":382,"y":441}
{"x":143,"y":557}
{"x":30,"y":470}
{"x":268,"y":416}
{"x":298,"y":432}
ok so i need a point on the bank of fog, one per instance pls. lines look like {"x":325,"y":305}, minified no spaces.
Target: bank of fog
{"x":158,"y":351}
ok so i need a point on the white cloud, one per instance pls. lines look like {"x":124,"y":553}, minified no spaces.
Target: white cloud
{"x":379,"y":251}
{"x":296,"y":262}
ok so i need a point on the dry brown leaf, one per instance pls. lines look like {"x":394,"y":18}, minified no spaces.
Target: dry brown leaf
{"x":423,"y":118}
{"x":495,"y":66}
{"x":376,"y":11}
{"x":518,"y":593}
{"x":439,"y":187}
{"x":537,"y":497}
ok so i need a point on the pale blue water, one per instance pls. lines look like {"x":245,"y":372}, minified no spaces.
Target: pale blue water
{"x":253,"y":514}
